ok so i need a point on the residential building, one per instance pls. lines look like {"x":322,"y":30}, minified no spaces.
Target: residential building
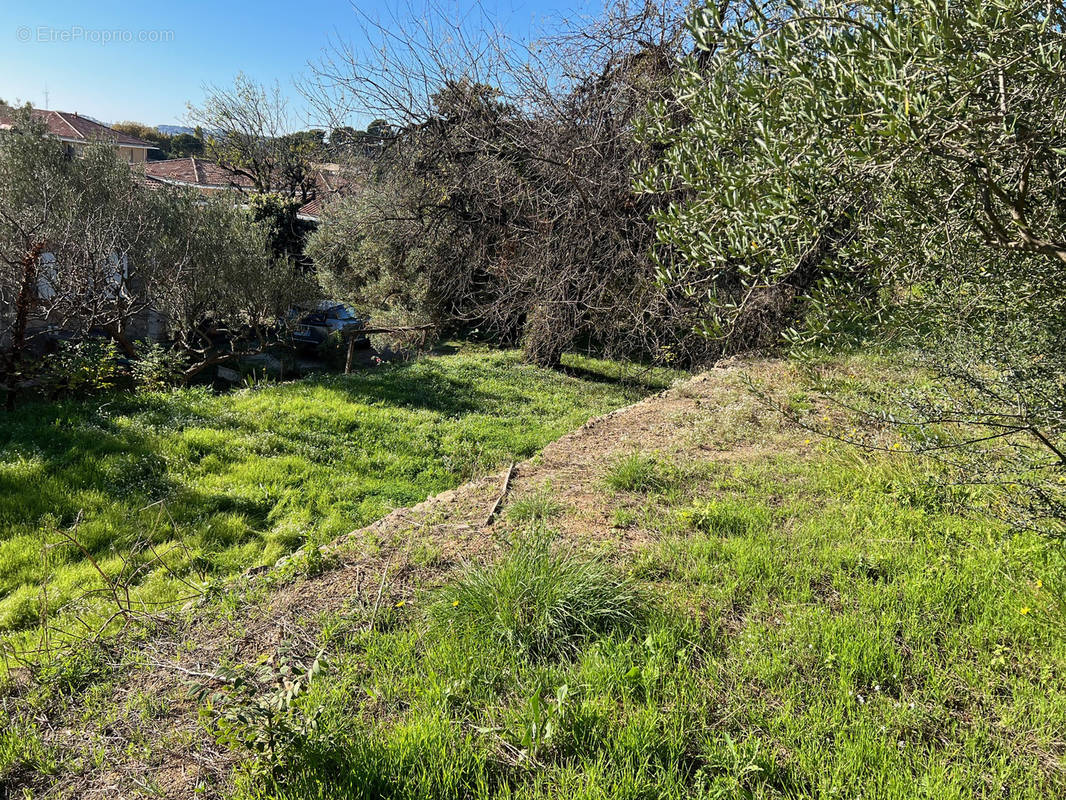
{"x":77,"y":131}
{"x":210,"y":178}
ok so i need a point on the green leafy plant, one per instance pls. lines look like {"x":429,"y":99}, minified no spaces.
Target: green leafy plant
{"x":540,"y":727}
{"x":68,"y":671}
{"x":254,"y":380}
{"x":734,"y":770}
{"x":258,"y":708}
{"x":156,"y":367}
{"x":83,"y":368}
{"x":314,"y":561}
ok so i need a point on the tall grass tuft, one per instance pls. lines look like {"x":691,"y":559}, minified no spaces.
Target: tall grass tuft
{"x":538,"y":602}
{"x":538,"y":506}
{"x":719,"y":518}
{"x":636,"y":473}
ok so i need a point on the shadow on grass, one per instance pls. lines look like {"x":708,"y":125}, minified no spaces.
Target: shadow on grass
{"x":77,"y":448}
{"x":630,"y":375}
{"x":421,"y":761}
{"x":592,"y":376}
{"x":418,"y":385}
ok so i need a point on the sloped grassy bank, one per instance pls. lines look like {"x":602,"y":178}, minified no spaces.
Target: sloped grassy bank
{"x":791,"y":629}
{"x":781,"y":618}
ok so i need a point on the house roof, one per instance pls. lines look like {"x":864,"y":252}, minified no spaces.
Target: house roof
{"x":196,"y":172}
{"x":199,"y":173}
{"x":70,"y":127}
{"x":310,"y":210}
{"x":331,"y":180}
{"x":152,"y":183}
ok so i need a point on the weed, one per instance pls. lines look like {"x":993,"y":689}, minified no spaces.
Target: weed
{"x":314,"y":561}
{"x":722,"y":518}
{"x":22,"y":749}
{"x":157,"y":367}
{"x":539,"y":728}
{"x":637,"y":472}
{"x":538,"y":506}
{"x":70,"y":671}
{"x":536,"y":602}
{"x":258,"y":710}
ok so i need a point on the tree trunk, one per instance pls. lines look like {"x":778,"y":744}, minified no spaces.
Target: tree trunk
{"x":351,"y":355}
{"x":23,"y":305}
{"x":123,"y":341}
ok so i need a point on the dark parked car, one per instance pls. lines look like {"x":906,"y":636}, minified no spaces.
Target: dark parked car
{"x":314,"y":327}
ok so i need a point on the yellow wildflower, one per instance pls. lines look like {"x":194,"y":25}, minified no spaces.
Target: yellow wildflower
{"x":1025,"y":609}
{"x":401,"y":604}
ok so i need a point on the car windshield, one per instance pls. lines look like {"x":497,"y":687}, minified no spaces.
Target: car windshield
{"x":343,"y":313}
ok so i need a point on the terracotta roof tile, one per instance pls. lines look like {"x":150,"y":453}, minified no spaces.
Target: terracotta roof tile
{"x":197,"y":172}
{"x":72,"y":127}
{"x":311,"y":209}
{"x":202,"y":174}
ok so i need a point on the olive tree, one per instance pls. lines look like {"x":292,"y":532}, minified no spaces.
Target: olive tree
{"x":85,"y":247}
{"x":77,"y":240}
{"x":834,"y":162}
{"x":227,"y":293}
{"x":815,"y":142}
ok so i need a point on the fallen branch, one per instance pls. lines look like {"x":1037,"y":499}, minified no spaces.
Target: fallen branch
{"x":407,"y":329}
{"x":503,"y":494}
{"x":212,"y":676}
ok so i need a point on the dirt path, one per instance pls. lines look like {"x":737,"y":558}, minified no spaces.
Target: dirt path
{"x":145,"y":734}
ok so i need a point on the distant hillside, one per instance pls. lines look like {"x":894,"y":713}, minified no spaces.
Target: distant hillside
{"x":174,"y":130}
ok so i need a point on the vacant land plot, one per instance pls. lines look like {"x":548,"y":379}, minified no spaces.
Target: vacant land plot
{"x":210,"y":484}
{"x":690,"y":598}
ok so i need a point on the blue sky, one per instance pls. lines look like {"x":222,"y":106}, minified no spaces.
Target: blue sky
{"x":144,"y":61}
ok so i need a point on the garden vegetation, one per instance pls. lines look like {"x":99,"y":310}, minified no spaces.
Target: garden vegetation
{"x":838,"y":573}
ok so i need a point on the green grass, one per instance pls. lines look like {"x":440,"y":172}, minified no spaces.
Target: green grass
{"x":218,"y":483}
{"x":637,"y":472}
{"x":536,"y":603}
{"x":816,"y":622}
{"x":816,"y":629}
{"x":536,"y":506}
